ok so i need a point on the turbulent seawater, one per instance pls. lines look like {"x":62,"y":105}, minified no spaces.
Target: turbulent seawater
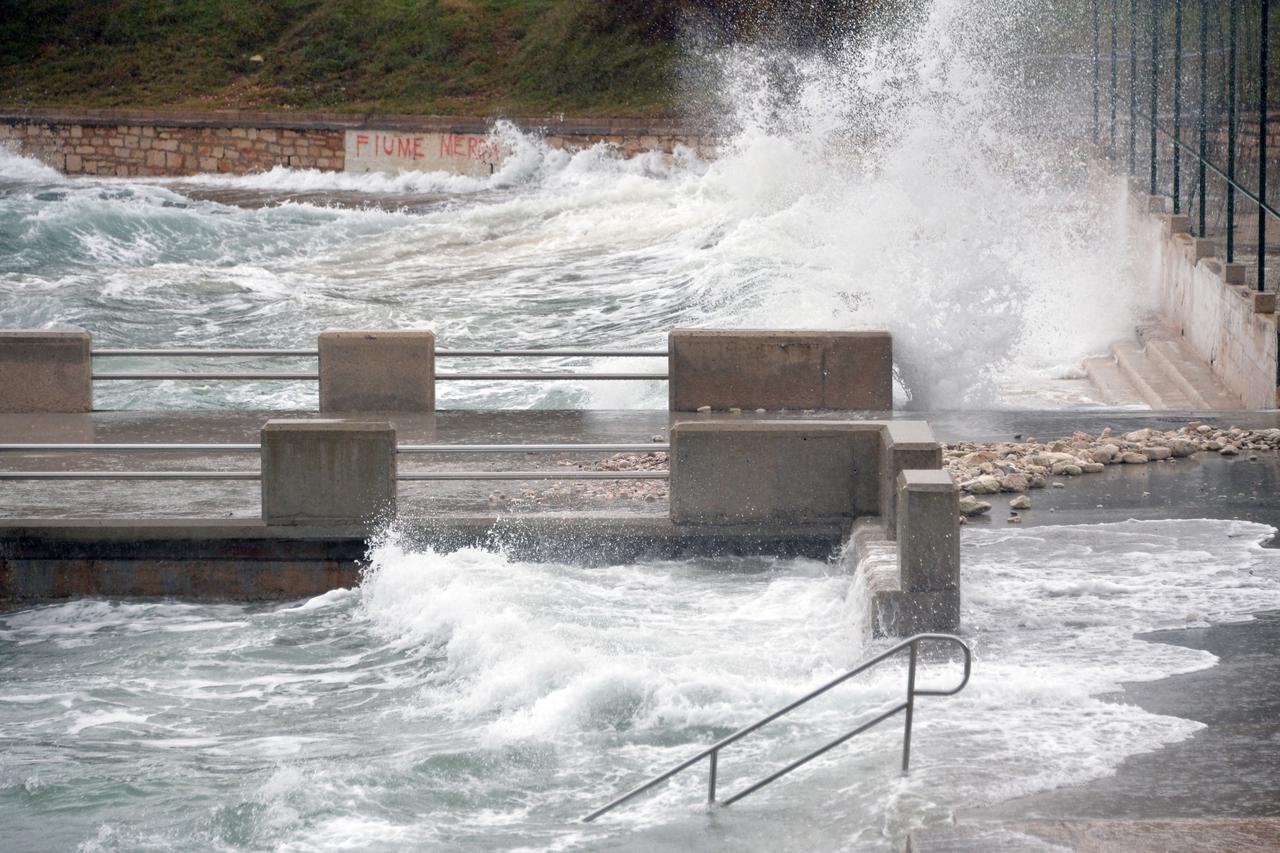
{"x":905,"y":182}
{"x":471,"y":702}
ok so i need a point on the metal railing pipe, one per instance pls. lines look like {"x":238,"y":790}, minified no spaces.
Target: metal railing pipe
{"x":130,"y":475}
{"x":654,"y":447}
{"x":522,"y":377}
{"x":1232,"y":27}
{"x":311,"y":353}
{"x":531,"y":475}
{"x":130,"y":448}
{"x":1177,"y":106}
{"x":1264,"y":39}
{"x":206,"y":377}
{"x":1133,"y":87}
{"x":1115,"y":13}
{"x":1204,"y":110}
{"x":1097,"y":69}
{"x":1155,"y":86}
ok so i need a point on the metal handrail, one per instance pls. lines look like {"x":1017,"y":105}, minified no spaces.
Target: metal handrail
{"x":130,"y":475}
{"x":315,"y":353}
{"x":315,"y":377}
{"x":712,"y":753}
{"x":654,"y":447}
{"x":533,"y":475}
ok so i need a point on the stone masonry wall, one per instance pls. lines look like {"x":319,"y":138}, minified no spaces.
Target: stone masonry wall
{"x":128,"y":143}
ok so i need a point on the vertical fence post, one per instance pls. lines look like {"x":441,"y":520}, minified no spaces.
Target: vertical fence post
{"x":711,"y":778}
{"x":1115,"y":12}
{"x":1263,"y":61}
{"x":1097,"y":70}
{"x":1231,"y":132}
{"x":911,"y":707}
{"x":1177,"y":106}
{"x":1133,"y":87}
{"x":1204,"y":109}
{"x":1155,"y":85}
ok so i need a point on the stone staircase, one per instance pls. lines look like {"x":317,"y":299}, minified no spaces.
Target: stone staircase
{"x":1160,"y":371}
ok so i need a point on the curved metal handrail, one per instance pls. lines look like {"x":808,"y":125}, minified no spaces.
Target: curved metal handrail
{"x":712,"y":752}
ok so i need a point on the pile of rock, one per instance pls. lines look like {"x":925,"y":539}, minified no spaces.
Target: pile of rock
{"x":1025,"y":464}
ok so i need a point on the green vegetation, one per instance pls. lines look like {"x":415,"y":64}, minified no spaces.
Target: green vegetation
{"x":414,"y":56}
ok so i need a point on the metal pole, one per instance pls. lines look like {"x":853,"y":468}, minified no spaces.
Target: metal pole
{"x":1133,"y":87}
{"x":711,"y":782}
{"x":1111,"y":148}
{"x":1204,"y":107}
{"x":1231,"y":133}
{"x":1097,"y":69}
{"x":1155,"y":84}
{"x":910,"y":709}
{"x":1264,"y":37}
{"x":1177,"y":106}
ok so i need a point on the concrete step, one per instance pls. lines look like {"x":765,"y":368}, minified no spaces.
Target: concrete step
{"x":1152,"y":835}
{"x":1112,"y":385}
{"x":1192,"y":375}
{"x":1155,"y":387}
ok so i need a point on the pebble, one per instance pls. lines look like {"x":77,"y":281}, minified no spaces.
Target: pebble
{"x":1020,"y":502}
{"x":971,"y":506}
{"x":1059,"y":485}
{"x":1015,"y":519}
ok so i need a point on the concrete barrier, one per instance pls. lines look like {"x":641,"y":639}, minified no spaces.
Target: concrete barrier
{"x":327,"y":472}
{"x":377,"y":371}
{"x":843,"y":371}
{"x":903,"y":445}
{"x":770,"y":471}
{"x":45,"y":371}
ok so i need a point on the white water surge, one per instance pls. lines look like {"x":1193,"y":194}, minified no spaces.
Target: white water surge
{"x":473,"y":702}
{"x":905,"y":182}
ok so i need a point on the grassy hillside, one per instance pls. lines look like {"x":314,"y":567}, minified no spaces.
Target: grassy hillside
{"x":416,"y":56}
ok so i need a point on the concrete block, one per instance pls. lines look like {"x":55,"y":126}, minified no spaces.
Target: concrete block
{"x":1157,"y":204}
{"x":328,"y":471}
{"x":928,"y":531}
{"x":1263,"y":303}
{"x":377,"y":371}
{"x":903,"y":445}
{"x":1203,"y":249}
{"x":1177,"y":223}
{"x":847,"y":371}
{"x":744,"y":472}
{"x":1233,"y":273}
{"x":900,"y":614}
{"x":45,"y":371}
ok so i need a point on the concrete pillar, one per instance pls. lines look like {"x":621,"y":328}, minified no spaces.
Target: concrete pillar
{"x":328,"y":472}
{"x":745,"y":472}
{"x":45,"y":371}
{"x":377,"y":371}
{"x":928,"y":529}
{"x":903,"y":445}
{"x":843,"y":371}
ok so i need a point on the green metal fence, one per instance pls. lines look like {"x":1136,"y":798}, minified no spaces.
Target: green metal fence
{"x":1207,"y":60}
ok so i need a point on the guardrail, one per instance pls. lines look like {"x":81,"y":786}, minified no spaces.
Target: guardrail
{"x":404,"y":449}
{"x":315,"y":353}
{"x":712,"y":753}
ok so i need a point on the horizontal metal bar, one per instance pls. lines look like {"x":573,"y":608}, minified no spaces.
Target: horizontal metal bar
{"x":533,"y":475}
{"x":313,"y":377}
{"x":129,"y":448}
{"x":130,"y":475}
{"x":311,"y":353}
{"x":205,"y":353}
{"x":550,"y":353}
{"x":656,"y":447}
{"x":573,"y":377}
{"x":207,"y":377}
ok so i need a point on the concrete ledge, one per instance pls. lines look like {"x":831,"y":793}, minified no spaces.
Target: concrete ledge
{"x":221,"y":559}
{"x":748,"y":369}
{"x":377,"y":371}
{"x":328,"y":471}
{"x":928,"y":532}
{"x":45,"y":371}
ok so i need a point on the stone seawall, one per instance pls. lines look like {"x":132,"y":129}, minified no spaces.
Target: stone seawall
{"x":128,"y":143}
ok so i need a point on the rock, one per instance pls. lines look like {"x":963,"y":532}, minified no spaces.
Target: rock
{"x":1093,"y":467}
{"x":1037,"y":482}
{"x":1180,"y":447}
{"x":1106,"y":433}
{"x":1105,"y":453}
{"x":1229,"y":450}
{"x":1204,"y":428}
{"x":1015,"y":483}
{"x":1015,"y":519}
{"x":1213,"y":444}
{"x":657,"y":439}
{"x":734,"y":410}
{"x":1138,"y":435}
{"x":1191,"y":426}
{"x":1132,"y":458}
{"x":1020,"y":502}
{"x":1067,"y":469}
{"x":1059,"y":485}
{"x":704,"y":408}
{"x":257,"y":57}
{"x":1157,"y":453}
{"x":760,"y":411}
{"x":978,"y":457}
{"x":986,"y":485}
{"x":971,"y":506}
